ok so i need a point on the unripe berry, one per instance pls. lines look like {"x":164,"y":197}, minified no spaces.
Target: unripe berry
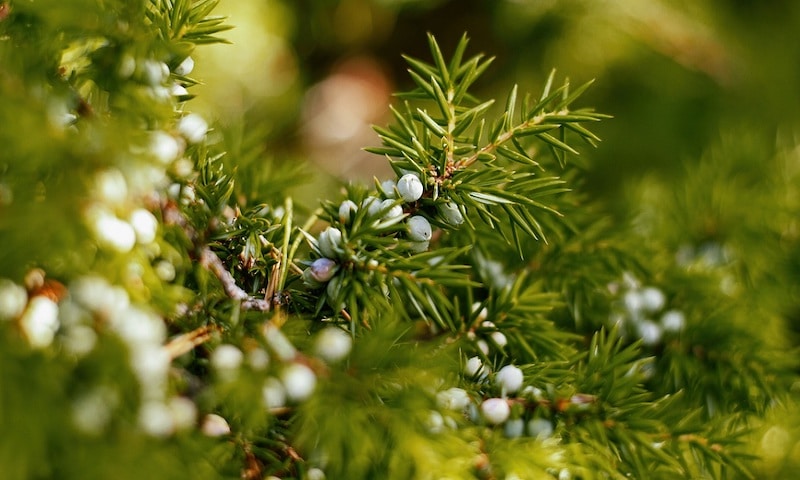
{"x":509,"y":378}
{"x":390,"y":209}
{"x":13,"y":299}
{"x":419,"y":247}
{"x":40,"y":321}
{"x":540,"y":428}
{"x":650,"y":332}
{"x":435,"y":422}
{"x":333,"y":344}
{"x":387,"y":187}
{"x":111,"y":232}
{"x":185,"y":67}
{"x":482,"y":314}
{"x":154,"y":72}
{"x":372,"y":204}
{"x":633,"y":301}
{"x":329,"y":242}
{"x":164,"y":147}
{"x":473,"y":366}
{"x":419,"y":229}
{"x":514,"y":428}
{"x":347,"y":209}
{"x":653,"y":299}
{"x":156,"y":420}
{"x":315,"y":474}
{"x":410,"y":187}
{"x":499,"y":338}
{"x":258,"y":359}
{"x":144,"y":225}
{"x":273,"y":393}
{"x":333,"y":290}
{"x":226,"y":360}
{"x":673,"y":321}
{"x":184,"y":412}
{"x":299,"y":381}
{"x":215,"y":426}
{"x":193,"y":127}
{"x":451,"y":213}
{"x":453,"y":399}
{"x":495,"y":410}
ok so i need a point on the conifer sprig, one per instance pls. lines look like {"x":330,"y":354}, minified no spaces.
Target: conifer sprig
{"x":498,"y":180}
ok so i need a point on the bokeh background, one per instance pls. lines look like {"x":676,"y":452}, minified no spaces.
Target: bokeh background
{"x":684,"y":80}
{"x":676,"y":75}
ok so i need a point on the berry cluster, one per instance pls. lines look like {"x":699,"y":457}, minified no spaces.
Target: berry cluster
{"x":395,"y":202}
{"x":639,"y":312}
{"x":509,"y":409}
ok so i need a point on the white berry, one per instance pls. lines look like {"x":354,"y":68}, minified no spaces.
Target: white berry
{"x":650,"y":332}
{"x":184,"y":412}
{"x":435,"y":422}
{"x":40,"y":321}
{"x":495,"y":410}
{"x":410,"y":187}
{"x":215,"y":426}
{"x":144,"y":225}
{"x":391,"y":211}
{"x":193,"y":127}
{"x":372,"y":204}
{"x":347,"y":209}
{"x":226,"y":359}
{"x":454,"y":398}
{"x":633,"y":301}
{"x":185,"y":67}
{"x":499,"y":338}
{"x":509,"y":378}
{"x":178,"y":90}
{"x":111,"y":232}
{"x":273,"y":393}
{"x":653,"y":299}
{"x":155,"y":419}
{"x":315,"y":474}
{"x":13,"y":299}
{"x":111,"y":187}
{"x":473,"y":366}
{"x":483,"y":313}
{"x":673,"y":321}
{"x":419,"y":229}
{"x":164,"y":147}
{"x":299,"y":381}
{"x":258,"y":359}
{"x":387,"y":187}
{"x":333,"y":344}
{"x":155,"y":72}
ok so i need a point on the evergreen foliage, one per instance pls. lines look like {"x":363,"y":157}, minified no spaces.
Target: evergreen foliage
{"x":167,"y":311}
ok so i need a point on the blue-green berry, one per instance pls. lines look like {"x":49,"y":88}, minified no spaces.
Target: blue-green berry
{"x":330,"y":241}
{"x":451,"y":213}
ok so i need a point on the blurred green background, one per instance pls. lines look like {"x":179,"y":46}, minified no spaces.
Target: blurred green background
{"x":314,"y":74}
{"x":681,"y":78}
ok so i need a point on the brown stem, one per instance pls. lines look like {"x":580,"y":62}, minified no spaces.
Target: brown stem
{"x":185,"y":343}
{"x":210,"y":260}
